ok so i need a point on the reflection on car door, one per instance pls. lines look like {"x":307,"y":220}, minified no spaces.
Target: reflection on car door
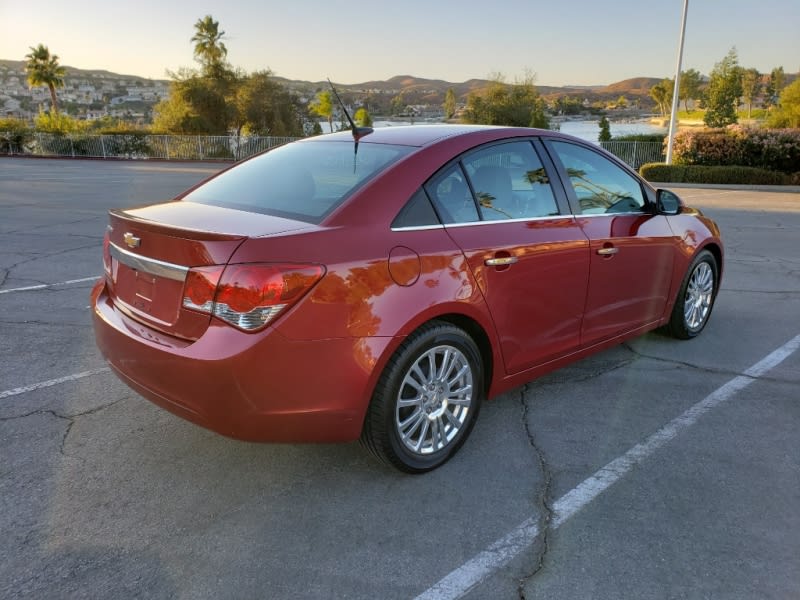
{"x":632,"y":248}
{"x":529,"y":256}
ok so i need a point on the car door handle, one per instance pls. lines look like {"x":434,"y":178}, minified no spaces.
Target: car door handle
{"x":607,"y":251}
{"x":500,"y":261}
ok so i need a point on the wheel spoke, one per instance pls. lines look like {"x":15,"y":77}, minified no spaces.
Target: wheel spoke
{"x":439,"y":440}
{"x":411,"y":424}
{"x":410,"y":381}
{"x":461,"y":372}
{"x":426,"y":425}
{"x":456,"y":396}
{"x":453,"y":420}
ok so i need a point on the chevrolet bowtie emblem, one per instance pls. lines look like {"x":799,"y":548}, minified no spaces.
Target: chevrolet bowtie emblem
{"x":131,"y":240}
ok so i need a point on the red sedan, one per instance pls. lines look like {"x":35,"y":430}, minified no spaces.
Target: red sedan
{"x":380,"y":289}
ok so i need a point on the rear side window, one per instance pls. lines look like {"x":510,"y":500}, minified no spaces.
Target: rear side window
{"x":509,"y":182}
{"x":303,"y":181}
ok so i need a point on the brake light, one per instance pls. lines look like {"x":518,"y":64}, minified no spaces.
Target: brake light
{"x":200,"y":287}
{"x":248,"y":296}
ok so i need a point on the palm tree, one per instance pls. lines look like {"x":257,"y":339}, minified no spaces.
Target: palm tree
{"x":209,"y":50}
{"x":43,"y":69}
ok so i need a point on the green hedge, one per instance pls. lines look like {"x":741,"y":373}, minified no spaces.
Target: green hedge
{"x":660,"y":172}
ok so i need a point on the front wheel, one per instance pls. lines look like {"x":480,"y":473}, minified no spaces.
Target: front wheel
{"x":695,"y":298}
{"x":426,"y":400}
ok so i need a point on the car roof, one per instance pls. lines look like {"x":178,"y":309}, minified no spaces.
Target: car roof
{"x":423,"y":135}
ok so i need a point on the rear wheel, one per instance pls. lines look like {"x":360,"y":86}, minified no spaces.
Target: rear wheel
{"x":695,"y":298}
{"x":426,"y":400}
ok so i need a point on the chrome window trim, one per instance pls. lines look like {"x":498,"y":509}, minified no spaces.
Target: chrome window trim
{"x":418,"y":228}
{"x":148,"y":265}
{"x":616,"y":214}
{"x":501,"y":221}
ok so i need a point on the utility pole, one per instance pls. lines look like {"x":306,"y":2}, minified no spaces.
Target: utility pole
{"x":673,"y":117}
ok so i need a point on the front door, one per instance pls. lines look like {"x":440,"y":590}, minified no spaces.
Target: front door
{"x":632,"y":248}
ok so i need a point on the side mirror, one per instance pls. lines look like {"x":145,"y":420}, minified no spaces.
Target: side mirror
{"x":668,"y":203}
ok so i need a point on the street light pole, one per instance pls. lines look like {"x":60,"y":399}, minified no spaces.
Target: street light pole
{"x":673,"y":117}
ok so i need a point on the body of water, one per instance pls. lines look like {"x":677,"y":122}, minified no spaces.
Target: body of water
{"x":590,"y":130}
{"x":586,"y":130}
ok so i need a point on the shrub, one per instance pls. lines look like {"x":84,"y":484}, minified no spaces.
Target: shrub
{"x":14,"y":136}
{"x":660,"y":172}
{"x":639,"y":137}
{"x":776,"y":149}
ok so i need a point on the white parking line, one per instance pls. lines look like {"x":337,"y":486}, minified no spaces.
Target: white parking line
{"x":51,"y":382}
{"x":500,"y":553}
{"x":49,"y":285}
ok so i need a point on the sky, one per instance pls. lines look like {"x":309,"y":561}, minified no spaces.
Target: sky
{"x":582,"y":42}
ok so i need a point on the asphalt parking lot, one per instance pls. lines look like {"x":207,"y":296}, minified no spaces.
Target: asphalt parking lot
{"x":657,"y":469}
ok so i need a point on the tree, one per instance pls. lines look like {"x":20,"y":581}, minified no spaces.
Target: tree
{"x":605,"y":130}
{"x":322,"y":106}
{"x":449,"y":105}
{"x":774,"y":86}
{"x":264,"y":107}
{"x":362,"y":118}
{"x":43,"y":69}
{"x":690,"y":87}
{"x":209,"y":50}
{"x":195,"y":106}
{"x":723,"y":92}
{"x":751,"y":86}
{"x":517,"y":105}
{"x":787,"y":113}
{"x":662,"y":94}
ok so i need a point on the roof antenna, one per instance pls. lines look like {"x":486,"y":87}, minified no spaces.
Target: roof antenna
{"x":358,"y":132}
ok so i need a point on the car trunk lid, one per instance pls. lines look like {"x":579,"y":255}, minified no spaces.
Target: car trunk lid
{"x":152,"y":249}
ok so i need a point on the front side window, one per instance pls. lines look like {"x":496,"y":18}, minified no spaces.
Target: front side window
{"x":600,"y":186}
{"x":303,"y":181}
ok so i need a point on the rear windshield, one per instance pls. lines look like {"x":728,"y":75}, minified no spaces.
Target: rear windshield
{"x":303,"y":181}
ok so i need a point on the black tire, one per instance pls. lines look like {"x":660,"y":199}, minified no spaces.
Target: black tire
{"x":435,"y":402}
{"x":695,"y":298}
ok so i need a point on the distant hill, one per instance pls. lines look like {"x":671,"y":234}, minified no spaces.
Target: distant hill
{"x":19,"y":66}
{"x":415,"y":90}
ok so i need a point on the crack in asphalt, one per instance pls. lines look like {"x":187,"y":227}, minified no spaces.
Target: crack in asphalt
{"x":70,"y":418}
{"x":48,"y":323}
{"x":569,"y":376}
{"x":711,"y":370}
{"x":543,"y":500}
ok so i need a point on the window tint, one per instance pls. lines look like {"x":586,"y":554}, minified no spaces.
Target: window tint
{"x":302,"y":181}
{"x":510,"y":182}
{"x":417,"y":212}
{"x":451,"y":196}
{"x":600,"y":185}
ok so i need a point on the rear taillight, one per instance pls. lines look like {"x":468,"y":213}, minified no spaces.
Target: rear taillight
{"x":248,"y":296}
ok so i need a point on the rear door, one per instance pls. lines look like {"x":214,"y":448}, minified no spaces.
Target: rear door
{"x":529,"y":256}
{"x":632,"y":248}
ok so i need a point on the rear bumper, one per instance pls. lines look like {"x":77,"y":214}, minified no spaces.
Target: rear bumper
{"x":256,"y":387}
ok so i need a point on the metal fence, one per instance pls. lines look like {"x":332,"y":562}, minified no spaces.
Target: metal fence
{"x":137,"y":146}
{"x":211,"y":147}
{"x":636,"y":153}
